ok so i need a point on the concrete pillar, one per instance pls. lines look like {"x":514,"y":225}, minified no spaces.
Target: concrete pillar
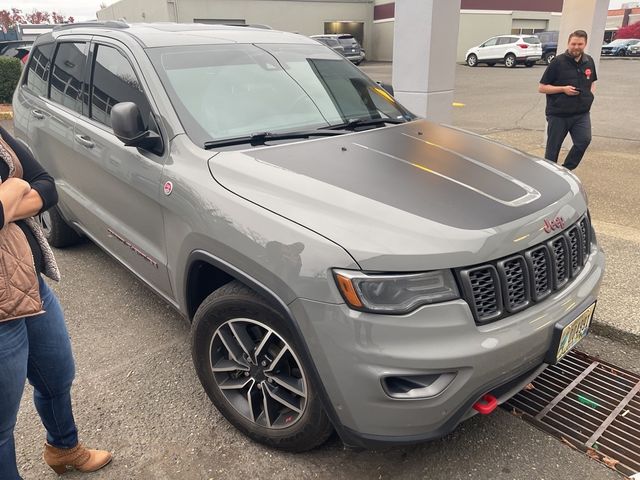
{"x":424,"y":56}
{"x":587,"y":15}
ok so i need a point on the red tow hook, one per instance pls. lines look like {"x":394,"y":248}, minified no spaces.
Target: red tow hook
{"x":486,"y":404}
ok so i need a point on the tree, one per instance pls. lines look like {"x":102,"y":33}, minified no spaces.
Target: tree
{"x":8,"y":19}
{"x":630,"y":31}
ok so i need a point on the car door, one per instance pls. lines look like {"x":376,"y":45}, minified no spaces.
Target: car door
{"x":119,"y":185}
{"x":486,"y":50}
{"x":505,"y":44}
{"x":55,"y":106}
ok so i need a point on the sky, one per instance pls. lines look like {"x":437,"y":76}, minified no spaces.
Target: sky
{"x":86,"y":9}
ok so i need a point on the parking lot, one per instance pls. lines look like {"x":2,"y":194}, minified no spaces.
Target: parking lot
{"x":136,"y":392}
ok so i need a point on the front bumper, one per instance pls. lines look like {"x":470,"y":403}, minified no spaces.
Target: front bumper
{"x":354,"y":351}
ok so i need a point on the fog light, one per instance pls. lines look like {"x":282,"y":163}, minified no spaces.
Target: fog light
{"x":417,"y":386}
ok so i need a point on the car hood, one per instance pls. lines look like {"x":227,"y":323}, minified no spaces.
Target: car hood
{"x":407,"y":197}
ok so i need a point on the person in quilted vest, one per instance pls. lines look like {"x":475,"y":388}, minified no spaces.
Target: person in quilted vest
{"x":37,"y":347}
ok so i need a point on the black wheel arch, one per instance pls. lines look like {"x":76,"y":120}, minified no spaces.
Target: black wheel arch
{"x":201,"y":262}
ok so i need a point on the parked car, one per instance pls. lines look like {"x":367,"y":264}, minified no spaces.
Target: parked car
{"x":634,"y":49}
{"x":549,"y":41}
{"x":352,"y":49}
{"x":345,"y":265}
{"x":620,"y":47}
{"x":332,"y":43}
{"x":21,"y":52}
{"x":510,"y":50}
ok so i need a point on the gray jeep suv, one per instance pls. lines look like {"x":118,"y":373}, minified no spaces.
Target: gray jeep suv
{"x":344,"y":264}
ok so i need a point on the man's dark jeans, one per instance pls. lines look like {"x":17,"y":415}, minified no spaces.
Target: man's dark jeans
{"x":37,"y":348}
{"x":579,"y":127}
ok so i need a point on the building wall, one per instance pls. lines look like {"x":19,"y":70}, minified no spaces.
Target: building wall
{"x":300,"y":16}
{"x":136,"y":11}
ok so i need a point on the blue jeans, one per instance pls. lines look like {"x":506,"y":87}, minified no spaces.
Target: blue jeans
{"x":37,"y":348}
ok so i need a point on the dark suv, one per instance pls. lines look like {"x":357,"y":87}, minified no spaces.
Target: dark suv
{"x":549,"y":42}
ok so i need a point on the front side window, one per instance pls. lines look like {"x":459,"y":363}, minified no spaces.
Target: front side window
{"x":491,"y":42}
{"x":38,"y":69}
{"x":226,"y":91}
{"x":67,"y":75}
{"x":114,"y":81}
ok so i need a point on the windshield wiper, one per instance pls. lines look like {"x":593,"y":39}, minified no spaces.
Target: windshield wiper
{"x":261,"y":138}
{"x":366,"y":122}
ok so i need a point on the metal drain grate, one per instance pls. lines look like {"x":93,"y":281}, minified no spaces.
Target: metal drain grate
{"x":589,"y":404}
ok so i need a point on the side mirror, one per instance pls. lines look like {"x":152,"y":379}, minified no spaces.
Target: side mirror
{"x":387,"y":87}
{"x":129,"y":127}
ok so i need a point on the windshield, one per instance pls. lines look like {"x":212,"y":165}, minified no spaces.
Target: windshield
{"x":231,"y":90}
{"x":347,"y":41}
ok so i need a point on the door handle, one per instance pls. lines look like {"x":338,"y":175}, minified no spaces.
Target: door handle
{"x":85,"y":141}
{"x":37,"y":114}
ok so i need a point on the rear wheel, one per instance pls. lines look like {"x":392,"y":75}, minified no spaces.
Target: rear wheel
{"x":472,"y":60}
{"x":510,"y":60}
{"x":249,"y":364}
{"x":57,"y":231}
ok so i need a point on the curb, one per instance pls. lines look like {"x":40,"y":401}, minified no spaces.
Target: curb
{"x":615,"y":333}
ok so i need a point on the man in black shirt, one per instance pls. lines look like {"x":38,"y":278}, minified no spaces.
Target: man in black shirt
{"x":569,"y":83}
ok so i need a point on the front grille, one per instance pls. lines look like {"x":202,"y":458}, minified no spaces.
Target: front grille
{"x":509,"y":285}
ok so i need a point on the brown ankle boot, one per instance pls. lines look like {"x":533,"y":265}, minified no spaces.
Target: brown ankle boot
{"x":78,"y":457}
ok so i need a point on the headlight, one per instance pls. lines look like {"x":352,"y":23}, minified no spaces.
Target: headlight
{"x":395,"y":293}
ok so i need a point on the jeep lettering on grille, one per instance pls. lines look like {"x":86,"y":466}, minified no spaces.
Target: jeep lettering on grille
{"x":553,"y":225}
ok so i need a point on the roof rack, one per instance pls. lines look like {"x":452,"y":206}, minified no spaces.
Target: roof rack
{"x":105,"y":24}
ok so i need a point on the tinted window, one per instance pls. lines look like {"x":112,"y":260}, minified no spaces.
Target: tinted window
{"x":491,"y":42}
{"x":532,"y":40}
{"x":504,"y":41}
{"x":38,"y":69}
{"x":67,"y":75}
{"x":114,"y":81}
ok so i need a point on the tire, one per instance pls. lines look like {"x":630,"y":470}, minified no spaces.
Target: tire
{"x":622,"y":53}
{"x":472,"y":60}
{"x":510,"y":60}
{"x":548,"y":57}
{"x":57,"y":231}
{"x":529,"y":64}
{"x":492,"y":64}
{"x":257,"y":361}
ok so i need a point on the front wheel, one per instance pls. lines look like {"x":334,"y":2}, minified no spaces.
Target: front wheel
{"x":250,"y":366}
{"x":622,"y":53}
{"x":510,"y":60}
{"x":549,"y":57}
{"x":472,"y":60}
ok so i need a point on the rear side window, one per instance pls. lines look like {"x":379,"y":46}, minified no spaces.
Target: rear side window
{"x":67,"y":75}
{"x":532,"y":40}
{"x":114,"y":81}
{"x":504,"y":41}
{"x":38,"y":69}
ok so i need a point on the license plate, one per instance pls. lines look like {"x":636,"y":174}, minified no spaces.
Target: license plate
{"x":568,"y":335}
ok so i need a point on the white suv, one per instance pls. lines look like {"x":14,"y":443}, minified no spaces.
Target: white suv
{"x":507,"y":49}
